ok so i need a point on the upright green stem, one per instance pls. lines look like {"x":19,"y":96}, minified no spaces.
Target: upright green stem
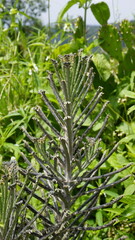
{"x":49,"y":21}
{"x":85,"y":19}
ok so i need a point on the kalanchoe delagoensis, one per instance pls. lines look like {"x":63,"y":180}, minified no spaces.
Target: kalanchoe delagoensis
{"x":67,"y":151}
{"x":13,"y":207}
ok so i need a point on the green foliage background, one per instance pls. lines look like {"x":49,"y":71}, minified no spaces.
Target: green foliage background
{"x":25,"y":55}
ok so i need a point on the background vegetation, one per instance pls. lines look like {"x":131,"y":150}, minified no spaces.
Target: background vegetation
{"x":25,"y":53}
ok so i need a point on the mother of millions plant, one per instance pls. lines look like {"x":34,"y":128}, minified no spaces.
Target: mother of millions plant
{"x":69,"y":156}
{"x":43,"y":204}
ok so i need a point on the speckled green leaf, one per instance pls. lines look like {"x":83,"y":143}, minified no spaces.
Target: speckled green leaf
{"x":126,"y":29}
{"x":111,"y":41}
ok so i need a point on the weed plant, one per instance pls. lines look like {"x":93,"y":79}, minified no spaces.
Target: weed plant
{"x":23,"y":73}
{"x":70,"y":158}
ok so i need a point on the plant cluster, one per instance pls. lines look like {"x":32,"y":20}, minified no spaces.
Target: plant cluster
{"x":23,"y":73}
{"x":69,"y":159}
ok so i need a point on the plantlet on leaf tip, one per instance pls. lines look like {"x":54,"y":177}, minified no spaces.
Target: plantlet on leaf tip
{"x":67,"y":151}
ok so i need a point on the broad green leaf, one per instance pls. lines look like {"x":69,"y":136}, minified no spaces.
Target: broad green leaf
{"x":132,"y":80}
{"x":103,"y":66}
{"x":101,"y":12}
{"x":111,"y":42}
{"x":127,"y":139}
{"x":87,"y":122}
{"x":65,"y":9}
{"x":131,"y":109}
{"x":11,"y":146}
{"x":113,"y":178}
{"x":35,"y":164}
{"x":127,"y":127}
{"x":97,"y":126}
{"x":127,"y":93}
{"x":131,"y":148}
{"x":95,"y":43}
{"x":128,"y":199}
{"x":99,"y":218}
{"x":114,"y":210}
{"x":117,"y":160}
{"x":130,"y":211}
{"x":130,"y":190}
{"x":111,"y":193}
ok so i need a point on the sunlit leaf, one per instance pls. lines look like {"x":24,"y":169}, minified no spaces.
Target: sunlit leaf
{"x":127,"y":93}
{"x":101,"y":12}
{"x":111,"y":193}
{"x":131,"y":109}
{"x":130,"y":190}
{"x":114,"y":210}
{"x":128,"y":199}
{"x":128,"y":138}
{"x":99,"y":218}
{"x":65,"y":9}
{"x":103,"y":66}
{"x":130,"y":211}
